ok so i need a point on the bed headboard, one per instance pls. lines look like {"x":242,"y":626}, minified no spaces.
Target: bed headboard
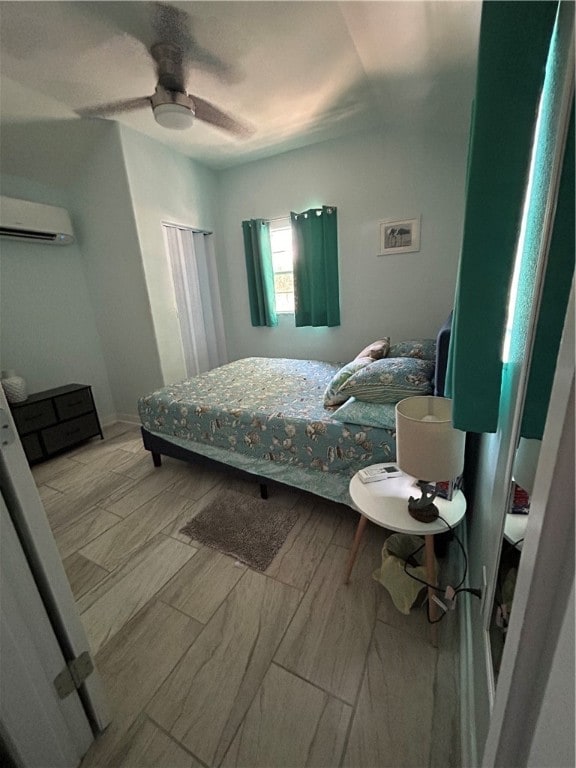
{"x":442,"y":345}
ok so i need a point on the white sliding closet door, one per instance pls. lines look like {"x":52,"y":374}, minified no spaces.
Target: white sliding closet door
{"x":197,"y":293}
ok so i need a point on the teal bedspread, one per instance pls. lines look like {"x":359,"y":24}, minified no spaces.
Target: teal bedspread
{"x":267,"y":416}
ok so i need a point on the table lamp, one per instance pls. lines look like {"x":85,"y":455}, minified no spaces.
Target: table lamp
{"x":428,"y":448}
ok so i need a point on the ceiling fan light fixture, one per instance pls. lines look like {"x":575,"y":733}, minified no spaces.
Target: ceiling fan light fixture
{"x":176,"y":117}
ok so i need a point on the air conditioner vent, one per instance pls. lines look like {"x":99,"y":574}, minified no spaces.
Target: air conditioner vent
{"x":27,"y":234}
{"x":31,"y":222}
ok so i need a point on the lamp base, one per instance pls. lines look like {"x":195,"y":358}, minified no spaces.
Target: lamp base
{"x":426,"y":514}
{"x":423,"y":509}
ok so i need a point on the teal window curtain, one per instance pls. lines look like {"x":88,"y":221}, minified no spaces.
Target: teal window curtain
{"x":315,"y":249}
{"x":555,"y":292}
{"x":258,"y":253}
{"x":514,"y":43}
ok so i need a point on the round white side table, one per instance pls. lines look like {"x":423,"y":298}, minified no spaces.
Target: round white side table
{"x":385,"y":502}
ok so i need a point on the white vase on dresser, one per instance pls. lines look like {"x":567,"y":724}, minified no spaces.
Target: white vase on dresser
{"x":14,"y":386}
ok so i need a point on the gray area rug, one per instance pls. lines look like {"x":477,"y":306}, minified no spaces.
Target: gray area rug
{"x":249,"y":529}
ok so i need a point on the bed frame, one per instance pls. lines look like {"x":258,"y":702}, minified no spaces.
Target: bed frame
{"x":159,"y":447}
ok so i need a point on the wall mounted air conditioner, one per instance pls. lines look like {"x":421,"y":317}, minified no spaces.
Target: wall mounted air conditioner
{"x":34,"y":222}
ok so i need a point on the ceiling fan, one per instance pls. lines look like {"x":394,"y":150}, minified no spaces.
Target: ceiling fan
{"x":172,"y":105}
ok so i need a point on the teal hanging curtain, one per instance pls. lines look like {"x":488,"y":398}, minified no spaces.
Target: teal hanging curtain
{"x":260,"y":273}
{"x":554,"y":300}
{"x":514,"y":43}
{"x":315,"y":249}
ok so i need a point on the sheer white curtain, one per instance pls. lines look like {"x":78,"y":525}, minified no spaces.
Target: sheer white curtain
{"x":198,"y":303}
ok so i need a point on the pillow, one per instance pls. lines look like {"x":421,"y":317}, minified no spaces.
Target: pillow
{"x":425,"y":349}
{"x":376,"y":350}
{"x":355,"y":411}
{"x":390,"y":380}
{"x":332,"y":394}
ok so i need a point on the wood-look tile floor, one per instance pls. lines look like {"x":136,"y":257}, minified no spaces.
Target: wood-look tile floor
{"x":209,"y":663}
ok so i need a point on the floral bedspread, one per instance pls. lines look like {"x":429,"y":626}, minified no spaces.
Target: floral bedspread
{"x":268,"y":409}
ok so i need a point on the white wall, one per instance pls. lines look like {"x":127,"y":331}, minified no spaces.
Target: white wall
{"x":102,"y":310}
{"x":108,"y":236}
{"x":165,"y":186}
{"x":369,"y":177}
{"x":48,"y":328}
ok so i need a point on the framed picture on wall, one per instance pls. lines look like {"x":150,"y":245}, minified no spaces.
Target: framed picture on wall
{"x":399,"y":236}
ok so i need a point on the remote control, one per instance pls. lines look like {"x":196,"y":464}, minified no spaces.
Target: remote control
{"x":379,"y":472}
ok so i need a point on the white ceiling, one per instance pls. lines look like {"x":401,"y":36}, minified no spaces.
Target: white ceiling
{"x":298,"y":72}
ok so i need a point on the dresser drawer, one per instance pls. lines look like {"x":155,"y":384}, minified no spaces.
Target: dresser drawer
{"x":71,"y":432}
{"x":32,"y":447}
{"x":73,"y":404}
{"x":34,"y":416}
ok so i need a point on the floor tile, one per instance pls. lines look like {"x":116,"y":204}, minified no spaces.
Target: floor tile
{"x":46,"y":493}
{"x":133,"y":665}
{"x":446,"y":743}
{"x":65,"y":509}
{"x":122,"y":594}
{"x":392,"y":726}
{"x":108,"y":461}
{"x":284,"y":496}
{"x":195,"y":481}
{"x":301,"y":553}
{"x":188,"y":514}
{"x":71,"y":538}
{"x":110,"y":549}
{"x":119,"y":428}
{"x":204,"y":700}
{"x":138,"y":466}
{"x":202,"y":584}
{"x":96,"y":448}
{"x":328,"y":639}
{"x":290,"y":723}
{"x":415,"y":622}
{"x":87,"y":485}
{"x":131,"y":441}
{"x":146,"y":746}
{"x":48,"y":470}
{"x":138,"y":492}
{"x":82,"y":574}
{"x":185,"y":634}
{"x":348,"y":521}
{"x":137,"y":660}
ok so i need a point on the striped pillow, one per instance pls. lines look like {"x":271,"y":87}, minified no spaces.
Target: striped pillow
{"x":332,"y":394}
{"x":390,"y":380}
{"x":425,"y":349}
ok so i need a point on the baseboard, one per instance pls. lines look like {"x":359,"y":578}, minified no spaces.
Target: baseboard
{"x":468,"y":742}
{"x":128,"y":418}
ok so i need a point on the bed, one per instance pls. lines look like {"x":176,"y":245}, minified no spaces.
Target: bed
{"x":308,"y":424}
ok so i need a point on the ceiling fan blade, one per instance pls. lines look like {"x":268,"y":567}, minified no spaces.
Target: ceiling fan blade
{"x":113,"y":107}
{"x":171,"y":25}
{"x":169,"y":66}
{"x":208,"y":113}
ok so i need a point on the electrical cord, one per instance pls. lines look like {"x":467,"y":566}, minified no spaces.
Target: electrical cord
{"x":411,"y":561}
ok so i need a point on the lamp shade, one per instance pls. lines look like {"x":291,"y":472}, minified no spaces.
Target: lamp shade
{"x":427,"y":445}
{"x":525,"y":463}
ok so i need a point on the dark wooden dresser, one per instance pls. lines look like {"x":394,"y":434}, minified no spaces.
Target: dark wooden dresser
{"x":55,"y":420}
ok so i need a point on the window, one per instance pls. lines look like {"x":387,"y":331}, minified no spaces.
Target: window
{"x":281,"y":242}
